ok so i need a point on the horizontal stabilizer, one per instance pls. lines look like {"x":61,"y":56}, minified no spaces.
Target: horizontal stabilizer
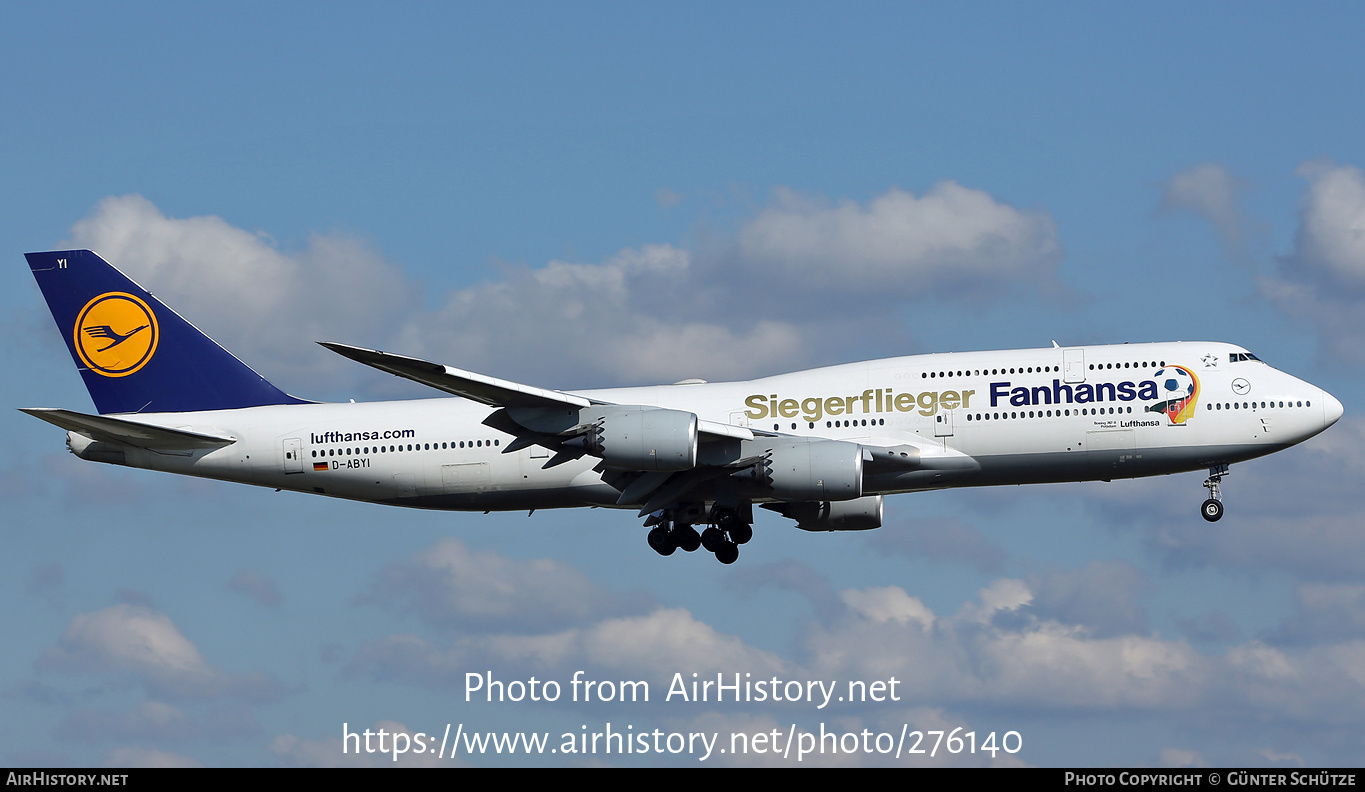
{"x":477,"y":387}
{"x":118,"y":430}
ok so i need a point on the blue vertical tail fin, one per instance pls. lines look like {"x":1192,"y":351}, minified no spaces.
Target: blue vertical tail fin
{"x":134,"y":353}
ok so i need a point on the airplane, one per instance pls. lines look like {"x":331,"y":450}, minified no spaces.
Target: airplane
{"x":822,"y":447}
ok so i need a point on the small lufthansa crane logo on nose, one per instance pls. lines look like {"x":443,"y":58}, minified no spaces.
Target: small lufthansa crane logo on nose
{"x":116,"y":334}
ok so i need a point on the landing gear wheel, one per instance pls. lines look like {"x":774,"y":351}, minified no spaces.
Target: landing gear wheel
{"x":712,"y":539}
{"x":687,"y":537}
{"x":741,"y":533}
{"x":662,"y":541}
{"x":1213,"y":507}
{"x":724,"y":517}
{"x":728,"y":553}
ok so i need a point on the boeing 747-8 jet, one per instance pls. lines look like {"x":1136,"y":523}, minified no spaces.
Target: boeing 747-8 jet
{"x":822,"y":447}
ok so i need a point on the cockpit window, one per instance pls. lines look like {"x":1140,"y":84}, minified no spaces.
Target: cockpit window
{"x":1238,"y":357}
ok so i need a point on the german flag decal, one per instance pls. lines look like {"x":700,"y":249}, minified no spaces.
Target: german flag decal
{"x":319,"y":466}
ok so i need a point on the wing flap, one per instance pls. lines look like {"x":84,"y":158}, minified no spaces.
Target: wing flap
{"x":717,"y":429}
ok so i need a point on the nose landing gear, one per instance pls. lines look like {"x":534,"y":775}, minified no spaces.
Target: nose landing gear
{"x":1213,"y":507}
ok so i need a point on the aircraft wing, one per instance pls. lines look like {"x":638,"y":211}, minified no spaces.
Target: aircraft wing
{"x":493,"y":391}
{"x":119,"y":430}
{"x":477,"y":387}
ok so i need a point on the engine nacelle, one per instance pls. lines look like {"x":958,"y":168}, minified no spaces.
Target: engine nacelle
{"x":859,"y":514}
{"x":809,"y":470}
{"x":640,"y":438}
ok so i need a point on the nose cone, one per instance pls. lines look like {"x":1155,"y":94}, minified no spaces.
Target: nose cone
{"x":1331,"y":409}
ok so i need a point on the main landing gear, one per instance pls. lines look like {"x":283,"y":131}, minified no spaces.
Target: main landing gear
{"x":1213,"y":507}
{"x":726,"y":531}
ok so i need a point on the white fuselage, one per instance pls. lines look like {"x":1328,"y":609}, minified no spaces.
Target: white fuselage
{"x":977,"y":418}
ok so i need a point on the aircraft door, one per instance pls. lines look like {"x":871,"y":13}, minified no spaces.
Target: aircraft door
{"x":1073,"y":365}
{"x":943,"y":424}
{"x":291,"y":452}
{"x":466,"y":477}
{"x":1111,"y":449}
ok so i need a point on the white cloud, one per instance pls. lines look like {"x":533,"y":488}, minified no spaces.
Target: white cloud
{"x":265,"y":305}
{"x":128,"y":637}
{"x":1062,"y":666}
{"x":1322,"y":282}
{"x":656,"y":313}
{"x":673,"y":640}
{"x":997,"y":650}
{"x":1210,"y":191}
{"x":888,"y":604}
{"x":632,"y":317}
{"x":1060,"y":641}
{"x":1341,"y":448}
{"x":448,"y":585}
{"x":136,"y":640}
{"x":1064,"y":620}
{"x":898,"y":244}
{"x":1002,"y":595}
{"x":1331,"y":235}
{"x":1103,"y":597}
{"x":1321,"y":684}
{"x":1298,"y":511}
{"x":1324,"y":612}
{"x":1004,"y":646}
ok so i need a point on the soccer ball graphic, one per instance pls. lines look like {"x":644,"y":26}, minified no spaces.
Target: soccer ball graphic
{"x":1175,"y":383}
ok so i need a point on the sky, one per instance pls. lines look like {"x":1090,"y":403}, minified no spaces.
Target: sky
{"x":601,"y":194}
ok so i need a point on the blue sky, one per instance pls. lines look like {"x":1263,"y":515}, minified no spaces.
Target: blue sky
{"x":579,"y":195}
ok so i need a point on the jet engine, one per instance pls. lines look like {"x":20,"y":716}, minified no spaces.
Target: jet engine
{"x":859,"y":514}
{"x":638,"y":438}
{"x":814,"y":470}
